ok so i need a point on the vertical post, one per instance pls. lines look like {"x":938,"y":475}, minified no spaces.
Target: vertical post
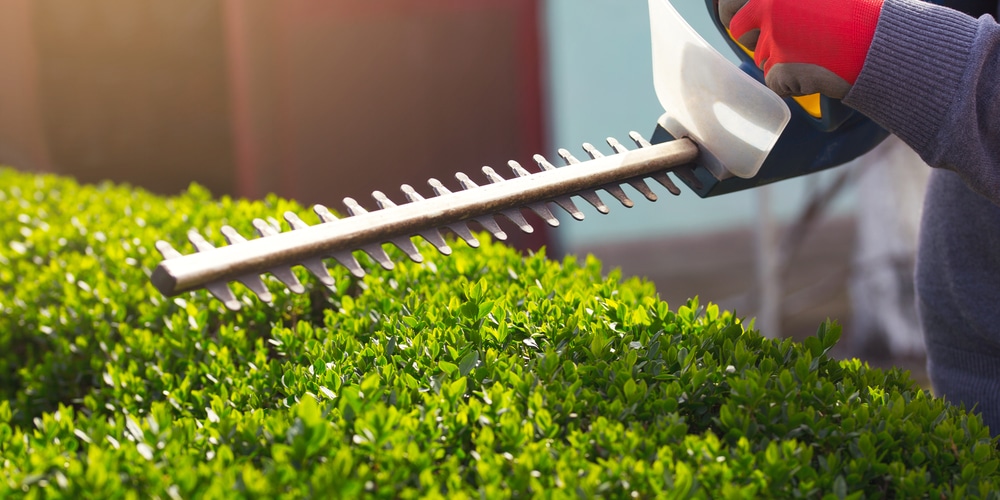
{"x":768,"y":299}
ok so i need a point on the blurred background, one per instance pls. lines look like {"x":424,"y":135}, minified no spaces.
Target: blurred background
{"x":316,"y":100}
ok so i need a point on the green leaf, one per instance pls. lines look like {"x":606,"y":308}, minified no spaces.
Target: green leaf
{"x":448,"y":368}
{"x":468,"y":362}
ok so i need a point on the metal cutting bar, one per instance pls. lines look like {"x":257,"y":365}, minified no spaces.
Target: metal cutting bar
{"x":181,"y":273}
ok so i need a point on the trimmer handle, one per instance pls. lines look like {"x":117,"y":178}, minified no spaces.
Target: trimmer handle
{"x":822,"y":133}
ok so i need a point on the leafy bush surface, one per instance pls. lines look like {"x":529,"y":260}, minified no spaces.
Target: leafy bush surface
{"x":484,"y":374}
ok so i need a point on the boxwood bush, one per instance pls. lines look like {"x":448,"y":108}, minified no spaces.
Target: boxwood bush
{"x":485,"y":374}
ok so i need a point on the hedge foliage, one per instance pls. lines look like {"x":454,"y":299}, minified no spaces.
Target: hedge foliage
{"x":484,"y":374}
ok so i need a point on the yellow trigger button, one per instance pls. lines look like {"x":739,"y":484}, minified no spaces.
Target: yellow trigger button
{"x":810,"y":103}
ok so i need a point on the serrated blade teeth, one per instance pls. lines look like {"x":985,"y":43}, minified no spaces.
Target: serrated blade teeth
{"x":637,"y":182}
{"x":490,"y":224}
{"x":264,"y":228}
{"x":283,"y":274}
{"x":612,"y":189}
{"x":411,"y":194}
{"x":167,"y":251}
{"x":539,"y":208}
{"x":665,"y":181}
{"x":518,"y":169}
{"x":639,"y":139}
{"x":617,"y":146}
{"x":544,"y":212}
{"x":643,"y":188}
{"x":324,"y":213}
{"x":382,"y":200}
{"x":353,"y":207}
{"x":315,"y":265}
{"x":347,"y":260}
{"x":256,"y":285}
{"x":619,"y":194}
{"x":246,"y":260}
{"x":433,"y":236}
{"x":465,"y":233}
{"x":286,"y":276}
{"x":564,"y":201}
{"x":543,"y":163}
{"x":403,"y":243}
{"x":568,"y":157}
{"x":567,"y":204}
{"x":438,"y":187}
{"x":232,"y":235}
{"x":319,"y":270}
{"x":492,"y":175}
{"x":685,"y":173}
{"x":465,"y":181}
{"x":295,"y":221}
{"x":199,"y":241}
{"x":221,"y":291}
{"x":376,"y":252}
{"x":514,"y":215}
{"x":595,"y":200}
{"x":592,"y":151}
{"x":407,"y":246}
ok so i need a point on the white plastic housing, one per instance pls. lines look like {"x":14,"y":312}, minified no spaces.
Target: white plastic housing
{"x":734,"y":119}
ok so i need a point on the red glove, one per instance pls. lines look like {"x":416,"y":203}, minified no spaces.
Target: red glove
{"x":805,"y":46}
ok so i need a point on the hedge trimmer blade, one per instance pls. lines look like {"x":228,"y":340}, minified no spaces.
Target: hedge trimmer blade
{"x":275,"y":252}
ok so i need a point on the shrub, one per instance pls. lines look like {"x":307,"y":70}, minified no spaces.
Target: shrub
{"x":483,"y":374}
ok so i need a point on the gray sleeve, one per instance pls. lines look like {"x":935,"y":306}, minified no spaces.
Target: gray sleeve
{"x":932,"y":77}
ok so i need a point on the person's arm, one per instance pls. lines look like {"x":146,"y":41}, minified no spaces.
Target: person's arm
{"x":932,"y":77}
{"x":929,"y":74}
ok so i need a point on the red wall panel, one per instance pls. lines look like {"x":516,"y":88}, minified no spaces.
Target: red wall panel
{"x":312,"y":99}
{"x":338,"y":99}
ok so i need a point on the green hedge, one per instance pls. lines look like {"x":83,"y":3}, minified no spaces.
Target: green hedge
{"x":483,"y":374}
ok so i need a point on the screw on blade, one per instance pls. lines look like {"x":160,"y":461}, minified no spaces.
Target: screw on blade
{"x":564,"y":202}
{"x":315,"y":265}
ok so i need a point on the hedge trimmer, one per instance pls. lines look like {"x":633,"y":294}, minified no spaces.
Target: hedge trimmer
{"x":722,"y":132}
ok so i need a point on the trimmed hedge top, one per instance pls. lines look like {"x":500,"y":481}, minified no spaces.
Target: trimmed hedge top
{"x":483,"y":374}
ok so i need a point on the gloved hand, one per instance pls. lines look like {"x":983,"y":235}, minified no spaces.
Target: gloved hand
{"x":805,"y":46}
